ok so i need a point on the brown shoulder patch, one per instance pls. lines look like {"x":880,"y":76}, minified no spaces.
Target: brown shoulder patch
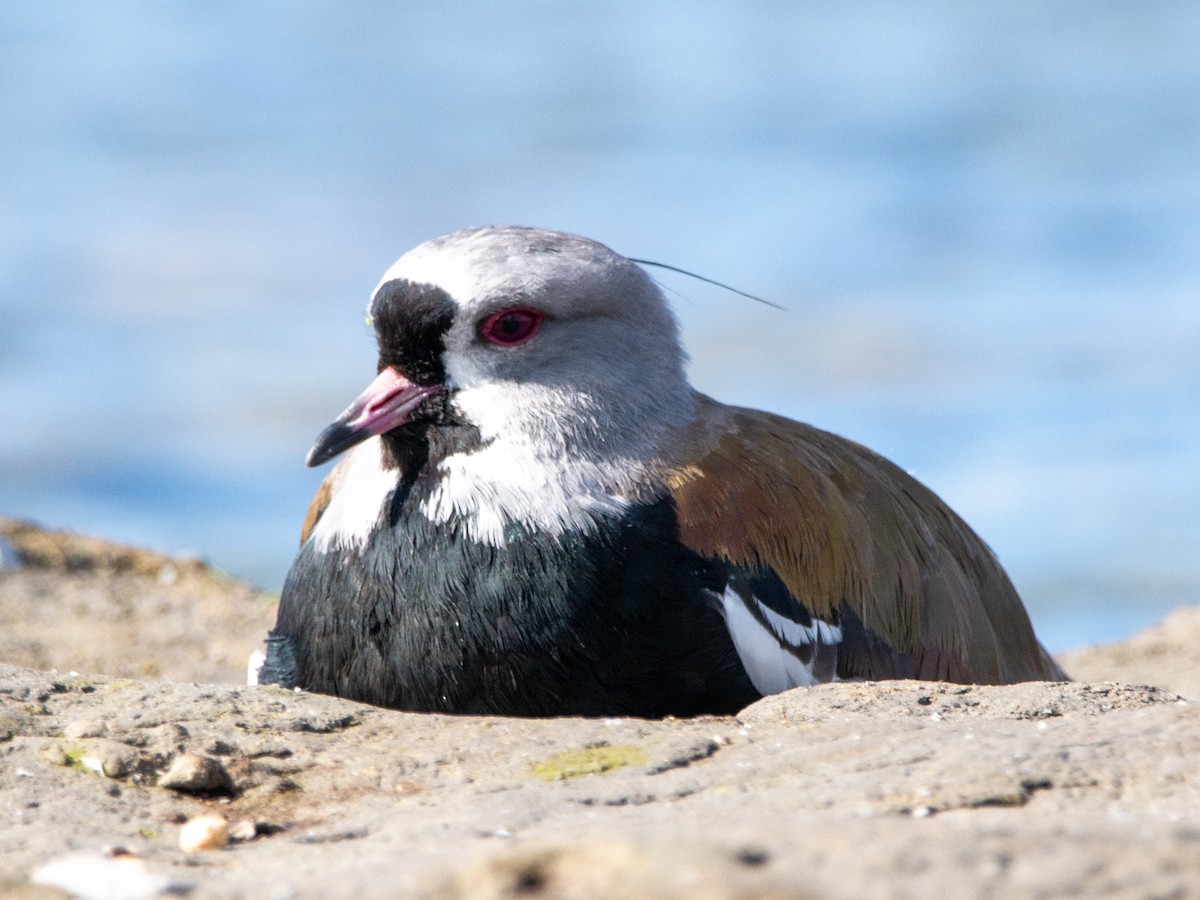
{"x":321,"y":500}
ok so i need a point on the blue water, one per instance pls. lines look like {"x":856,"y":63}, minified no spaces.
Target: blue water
{"x":984,"y":219}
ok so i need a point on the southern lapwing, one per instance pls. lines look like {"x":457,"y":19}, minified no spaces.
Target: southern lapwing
{"x":538,"y":515}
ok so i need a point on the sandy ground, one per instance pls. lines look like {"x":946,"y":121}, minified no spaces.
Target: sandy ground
{"x":900,"y":789}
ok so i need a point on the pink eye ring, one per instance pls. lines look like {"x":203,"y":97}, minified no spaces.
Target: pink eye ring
{"x":511,"y":327}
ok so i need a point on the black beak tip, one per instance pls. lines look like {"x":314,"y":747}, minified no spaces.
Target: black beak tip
{"x":333,"y":440}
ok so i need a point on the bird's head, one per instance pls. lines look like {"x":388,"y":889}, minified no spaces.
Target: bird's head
{"x":543,"y":339}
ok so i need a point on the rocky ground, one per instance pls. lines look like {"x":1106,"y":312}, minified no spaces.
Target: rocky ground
{"x":122,"y":718}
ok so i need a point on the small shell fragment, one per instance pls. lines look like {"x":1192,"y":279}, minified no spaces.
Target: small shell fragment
{"x":203,"y":833}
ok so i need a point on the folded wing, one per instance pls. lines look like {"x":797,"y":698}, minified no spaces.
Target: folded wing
{"x":841,"y":565}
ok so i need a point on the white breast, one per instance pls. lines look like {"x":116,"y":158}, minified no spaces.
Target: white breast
{"x":501,"y":483}
{"x":358,"y":503}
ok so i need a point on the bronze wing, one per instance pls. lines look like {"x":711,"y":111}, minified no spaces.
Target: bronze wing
{"x":856,"y":542}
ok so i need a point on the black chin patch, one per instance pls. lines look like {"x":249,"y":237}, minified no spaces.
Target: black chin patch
{"x":411,"y":321}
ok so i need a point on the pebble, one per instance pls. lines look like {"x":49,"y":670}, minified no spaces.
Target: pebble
{"x":109,"y":758}
{"x":203,"y":833}
{"x":243,"y":830}
{"x":191,"y":773}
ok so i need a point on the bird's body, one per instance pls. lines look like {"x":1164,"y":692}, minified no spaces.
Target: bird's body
{"x":539,"y":516}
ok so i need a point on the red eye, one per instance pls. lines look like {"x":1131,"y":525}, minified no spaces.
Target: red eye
{"x":511,"y":327}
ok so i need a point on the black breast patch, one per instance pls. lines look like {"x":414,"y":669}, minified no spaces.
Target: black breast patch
{"x":611,"y":622}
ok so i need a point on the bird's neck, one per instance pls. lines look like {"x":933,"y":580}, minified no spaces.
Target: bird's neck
{"x":553,"y":471}
{"x":504,"y":483}
{"x":548,"y":459}
{"x":475,"y":490}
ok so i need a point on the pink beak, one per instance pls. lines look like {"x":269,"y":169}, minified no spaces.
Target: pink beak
{"x":387,"y":403}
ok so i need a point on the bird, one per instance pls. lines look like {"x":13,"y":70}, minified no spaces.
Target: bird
{"x":536,"y":514}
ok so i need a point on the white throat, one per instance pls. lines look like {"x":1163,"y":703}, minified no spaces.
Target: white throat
{"x":502,"y":484}
{"x":357,"y":504}
{"x":552,"y":460}
{"x":507,"y":481}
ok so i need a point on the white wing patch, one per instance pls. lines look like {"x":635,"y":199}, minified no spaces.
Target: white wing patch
{"x":777,"y":652}
{"x":254,"y":665}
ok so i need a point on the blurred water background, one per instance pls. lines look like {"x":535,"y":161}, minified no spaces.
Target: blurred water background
{"x":983,"y":217}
